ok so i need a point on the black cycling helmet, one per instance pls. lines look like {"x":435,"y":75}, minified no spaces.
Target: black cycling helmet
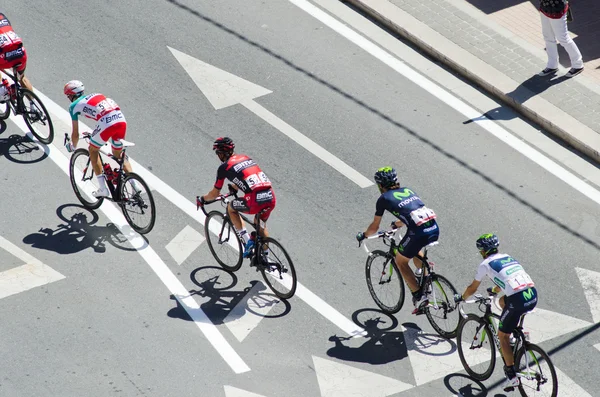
{"x":223,"y":145}
{"x":487,"y":243}
{"x":386,"y":177}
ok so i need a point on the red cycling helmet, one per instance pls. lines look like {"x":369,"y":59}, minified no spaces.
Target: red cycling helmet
{"x":223,"y":145}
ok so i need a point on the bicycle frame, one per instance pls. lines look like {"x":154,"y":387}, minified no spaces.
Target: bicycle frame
{"x":491,"y":318}
{"x":389,"y":238}
{"x":114,"y":189}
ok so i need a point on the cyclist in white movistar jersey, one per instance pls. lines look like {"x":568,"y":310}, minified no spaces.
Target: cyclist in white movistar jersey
{"x":520,"y":296}
{"x":110,"y":126}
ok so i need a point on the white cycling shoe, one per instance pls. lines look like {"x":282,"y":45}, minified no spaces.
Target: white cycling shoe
{"x":102,"y":192}
{"x":510,"y":384}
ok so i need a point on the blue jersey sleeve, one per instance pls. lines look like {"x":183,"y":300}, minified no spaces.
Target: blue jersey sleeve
{"x":380,"y":206}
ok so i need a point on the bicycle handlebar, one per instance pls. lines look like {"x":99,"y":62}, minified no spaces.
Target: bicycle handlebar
{"x":386,"y":235}
{"x":222,"y":198}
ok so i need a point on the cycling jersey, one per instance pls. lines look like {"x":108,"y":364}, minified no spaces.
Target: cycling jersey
{"x":110,"y":121}
{"x":505,"y":272}
{"x":249,"y":178}
{"x":405,"y":205}
{"x":244,"y":172}
{"x":12,"y":52}
{"x":422,"y":229}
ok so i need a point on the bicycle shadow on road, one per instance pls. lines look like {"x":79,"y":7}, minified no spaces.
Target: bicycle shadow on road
{"x":463,"y":385}
{"x":20,"y":149}
{"x":77,"y":233}
{"x":382,"y":345}
{"x":222,"y":304}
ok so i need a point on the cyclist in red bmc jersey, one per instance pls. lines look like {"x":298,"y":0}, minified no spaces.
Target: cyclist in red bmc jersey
{"x":12,"y":53}
{"x":246,"y":176}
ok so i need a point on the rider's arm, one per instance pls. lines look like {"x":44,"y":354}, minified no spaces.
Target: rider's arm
{"x":213,"y":194}
{"x":398,"y":223}
{"x":471,"y":289}
{"x":75,"y":132}
{"x":373,"y":227}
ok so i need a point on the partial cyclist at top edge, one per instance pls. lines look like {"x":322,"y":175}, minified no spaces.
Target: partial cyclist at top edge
{"x":248,"y":177}
{"x":12,"y":56}
{"x":420,"y":222}
{"x":110,"y":126}
{"x":520,"y":296}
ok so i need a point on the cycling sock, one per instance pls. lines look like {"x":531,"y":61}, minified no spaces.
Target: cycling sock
{"x":244,"y":235}
{"x":102,"y":181}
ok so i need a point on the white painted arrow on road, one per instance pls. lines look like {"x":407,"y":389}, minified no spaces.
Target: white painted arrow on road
{"x":590,"y":282}
{"x":223,"y":89}
{"x":235,"y":392}
{"x":340,"y":380}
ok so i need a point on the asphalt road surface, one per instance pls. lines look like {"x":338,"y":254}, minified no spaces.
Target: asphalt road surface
{"x":94,"y":313}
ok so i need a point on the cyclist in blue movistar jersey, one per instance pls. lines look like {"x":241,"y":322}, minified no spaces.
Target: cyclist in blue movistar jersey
{"x":422,"y":228}
{"x":520,"y":296}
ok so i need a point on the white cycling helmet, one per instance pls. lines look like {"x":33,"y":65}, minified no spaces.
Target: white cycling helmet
{"x":74,"y":87}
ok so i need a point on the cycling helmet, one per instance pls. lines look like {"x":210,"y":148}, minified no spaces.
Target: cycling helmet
{"x":223,"y":145}
{"x":386,"y":177}
{"x":487,"y":243}
{"x":74,"y":87}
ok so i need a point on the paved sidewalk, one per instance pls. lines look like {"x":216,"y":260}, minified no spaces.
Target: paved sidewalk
{"x":495,"y":45}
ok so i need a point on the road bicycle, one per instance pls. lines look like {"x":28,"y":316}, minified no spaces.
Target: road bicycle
{"x":27,"y":104}
{"x":128,"y":191}
{"x":386,"y":285}
{"x":268,"y":256}
{"x":478,"y":354}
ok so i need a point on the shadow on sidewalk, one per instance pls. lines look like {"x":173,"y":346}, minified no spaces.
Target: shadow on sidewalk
{"x":585,"y":25}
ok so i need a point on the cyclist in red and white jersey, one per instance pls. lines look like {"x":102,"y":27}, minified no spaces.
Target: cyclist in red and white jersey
{"x":12,"y":53}
{"x":110,"y":125}
{"x":247,"y":176}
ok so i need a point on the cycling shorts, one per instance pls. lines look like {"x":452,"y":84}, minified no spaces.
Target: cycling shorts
{"x":254,"y":202}
{"x":16,"y":58}
{"x":516,"y":305}
{"x":414,"y":240}
{"x":114,"y":133}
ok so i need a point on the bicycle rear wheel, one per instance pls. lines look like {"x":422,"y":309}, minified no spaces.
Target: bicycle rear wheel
{"x":476,"y":348}
{"x":83,"y":180}
{"x":277,"y":268}
{"x":536,"y":372}
{"x":384,"y":281}
{"x":442,"y":312}
{"x":36,"y":116}
{"x":137,"y":203}
{"x":223,"y":241}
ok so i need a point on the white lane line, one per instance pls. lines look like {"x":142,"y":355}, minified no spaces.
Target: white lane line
{"x":189,"y":208}
{"x":186,"y":242}
{"x":452,"y":101}
{"x":249,"y":311}
{"x":197,"y":315}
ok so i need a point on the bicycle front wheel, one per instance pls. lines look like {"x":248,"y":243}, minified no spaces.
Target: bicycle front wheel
{"x":536,"y":372}
{"x":277,"y":268}
{"x":223,"y":241}
{"x":442,"y":313}
{"x":385,"y":282}
{"x":36,"y":116}
{"x":83,"y":180}
{"x":476,"y":348}
{"x":137,"y":203}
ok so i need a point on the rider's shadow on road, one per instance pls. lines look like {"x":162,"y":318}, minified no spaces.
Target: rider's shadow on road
{"x":381,"y":345}
{"x":222,"y":304}
{"x":77,"y":233}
